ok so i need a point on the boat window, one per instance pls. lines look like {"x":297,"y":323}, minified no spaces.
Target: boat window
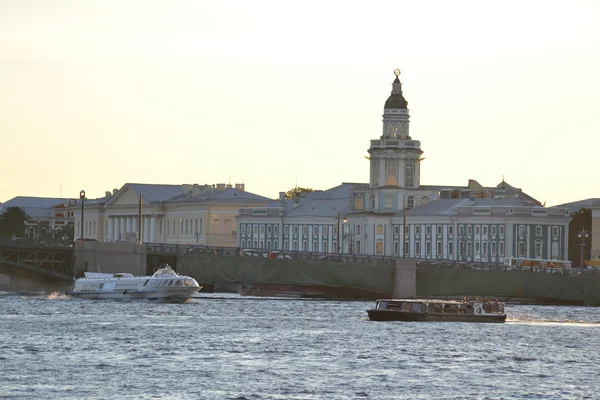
{"x":416,"y":307}
{"x":178,"y":283}
{"x":146,"y":283}
{"x":451,"y":308}
{"x":435,"y":307}
{"x":101,"y":286}
{"x":171,"y":283}
{"x":406,"y":306}
{"x":382,"y":305}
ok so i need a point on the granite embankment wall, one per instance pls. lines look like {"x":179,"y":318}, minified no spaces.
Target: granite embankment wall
{"x":553,"y":288}
{"x":382,"y":278}
{"x":376,"y":278}
{"x":109,"y":258}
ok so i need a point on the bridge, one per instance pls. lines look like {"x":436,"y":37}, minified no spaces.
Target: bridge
{"x":359,"y":277}
{"x":37,"y":268}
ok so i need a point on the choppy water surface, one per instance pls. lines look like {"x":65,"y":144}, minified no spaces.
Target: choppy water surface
{"x":52,"y":347}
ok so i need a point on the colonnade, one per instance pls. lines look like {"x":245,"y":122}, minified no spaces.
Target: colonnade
{"x":121,"y":225}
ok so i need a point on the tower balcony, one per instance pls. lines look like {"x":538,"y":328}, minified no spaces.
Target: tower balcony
{"x":395,"y":144}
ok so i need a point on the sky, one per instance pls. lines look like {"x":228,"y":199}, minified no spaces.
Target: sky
{"x":276,"y":94}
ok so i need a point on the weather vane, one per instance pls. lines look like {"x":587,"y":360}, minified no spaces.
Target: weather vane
{"x":397,"y":72}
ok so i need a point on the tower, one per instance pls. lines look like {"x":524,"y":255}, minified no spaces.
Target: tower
{"x":395,"y":157}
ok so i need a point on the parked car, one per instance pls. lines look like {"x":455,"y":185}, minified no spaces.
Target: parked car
{"x":331,"y":258}
{"x":277,"y":254}
{"x":253,"y":253}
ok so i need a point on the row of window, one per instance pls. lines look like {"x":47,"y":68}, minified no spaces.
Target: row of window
{"x":293,"y":245}
{"x":249,"y":228}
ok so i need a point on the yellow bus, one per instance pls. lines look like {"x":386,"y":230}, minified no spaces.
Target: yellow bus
{"x":537,"y":264}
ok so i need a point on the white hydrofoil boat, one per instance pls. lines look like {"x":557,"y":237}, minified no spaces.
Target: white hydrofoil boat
{"x":165,"y":285}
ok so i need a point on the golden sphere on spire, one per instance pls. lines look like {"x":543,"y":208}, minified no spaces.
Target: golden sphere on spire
{"x":397,"y":72}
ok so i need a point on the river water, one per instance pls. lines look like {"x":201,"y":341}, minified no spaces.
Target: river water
{"x":230,"y":347}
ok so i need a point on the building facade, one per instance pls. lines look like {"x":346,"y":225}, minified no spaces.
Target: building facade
{"x":394,"y":215}
{"x":175,"y":214}
{"x":47,"y":216}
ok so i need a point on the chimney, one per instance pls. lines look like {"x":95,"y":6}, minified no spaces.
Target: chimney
{"x":220,"y":186}
{"x":281,"y":195}
{"x":240,"y":187}
{"x":229,"y":186}
{"x":115,"y":191}
{"x":196,"y":190}
{"x":107,"y":193}
{"x":187,"y":189}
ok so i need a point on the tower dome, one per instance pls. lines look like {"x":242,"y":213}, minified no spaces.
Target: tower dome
{"x":396,"y":100}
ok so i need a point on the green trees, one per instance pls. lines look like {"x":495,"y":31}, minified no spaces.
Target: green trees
{"x":12,"y":222}
{"x":66,"y":232}
{"x":581,"y":221}
{"x":295,"y":192}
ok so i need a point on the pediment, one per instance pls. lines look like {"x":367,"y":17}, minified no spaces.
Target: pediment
{"x":125,"y":197}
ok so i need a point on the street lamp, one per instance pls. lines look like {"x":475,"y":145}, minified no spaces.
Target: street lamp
{"x":339,"y":236}
{"x":583,"y":234}
{"x":82,"y":198}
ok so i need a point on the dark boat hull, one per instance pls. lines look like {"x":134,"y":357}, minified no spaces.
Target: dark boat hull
{"x":396,"y":315}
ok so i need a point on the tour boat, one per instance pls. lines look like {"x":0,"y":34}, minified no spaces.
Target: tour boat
{"x":438,"y":310}
{"x":165,"y":285}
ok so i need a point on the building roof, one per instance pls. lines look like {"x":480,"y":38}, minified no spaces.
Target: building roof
{"x":578,"y":205}
{"x":446,"y":206}
{"x":396,"y":100}
{"x":215,"y":195}
{"x":34,"y":207}
{"x":322,"y":203}
{"x":155,"y":193}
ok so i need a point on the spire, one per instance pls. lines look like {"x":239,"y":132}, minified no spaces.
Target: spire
{"x":396,"y":100}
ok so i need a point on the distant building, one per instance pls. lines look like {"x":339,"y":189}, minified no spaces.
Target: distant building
{"x":175,"y":214}
{"x":394,"y":215}
{"x":45,"y":214}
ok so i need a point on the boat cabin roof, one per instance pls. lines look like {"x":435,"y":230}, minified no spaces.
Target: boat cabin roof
{"x":166,"y":271}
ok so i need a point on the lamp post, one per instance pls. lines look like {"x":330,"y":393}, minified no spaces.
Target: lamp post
{"x":339,"y":236}
{"x":82,"y":198}
{"x":583,"y":234}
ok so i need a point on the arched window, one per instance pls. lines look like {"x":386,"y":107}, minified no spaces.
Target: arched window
{"x":379,"y":229}
{"x":409,"y":174}
{"x":424,"y":200}
{"x":358,"y":202}
{"x":388,"y":201}
{"x":410,"y":202}
{"x":538,"y":231}
{"x":501,"y":230}
{"x":391,"y":172}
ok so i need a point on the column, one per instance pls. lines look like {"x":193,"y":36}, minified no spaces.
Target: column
{"x":122,"y":228}
{"x":153,"y":229}
{"x":146,"y":229}
{"x":127,"y":224}
{"x":109,"y":229}
{"x":115,"y":230}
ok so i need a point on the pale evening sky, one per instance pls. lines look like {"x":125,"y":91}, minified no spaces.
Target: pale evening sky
{"x":97,"y":94}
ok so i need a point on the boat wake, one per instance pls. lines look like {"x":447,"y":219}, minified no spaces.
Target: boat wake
{"x":551,"y":321}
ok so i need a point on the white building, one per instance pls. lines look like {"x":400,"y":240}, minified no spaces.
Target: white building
{"x":175,"y":214}
{"x":394,"y":215}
